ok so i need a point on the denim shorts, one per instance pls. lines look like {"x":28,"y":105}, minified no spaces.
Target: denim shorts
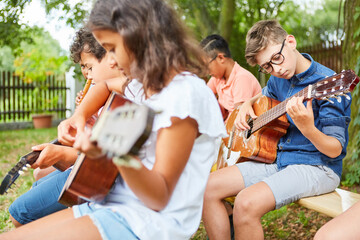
{"x":291,"y":183}
{"x":110,"y":224}
{"x":41,"y":200}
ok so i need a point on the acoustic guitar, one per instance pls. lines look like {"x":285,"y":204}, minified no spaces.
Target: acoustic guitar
{"x":259,"y":143}
{"x":30,"y":158}
{"x":122,"y":128}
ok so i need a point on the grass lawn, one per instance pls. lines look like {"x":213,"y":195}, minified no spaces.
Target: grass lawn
{"x":13,"y":145}
{"x":289,"y":222}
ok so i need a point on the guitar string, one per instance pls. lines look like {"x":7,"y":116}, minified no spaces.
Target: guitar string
{"x":280,"y":109}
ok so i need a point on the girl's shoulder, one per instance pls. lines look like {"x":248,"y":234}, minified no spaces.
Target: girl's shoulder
{"x":187,"y":83}
{"x":188,"y":96}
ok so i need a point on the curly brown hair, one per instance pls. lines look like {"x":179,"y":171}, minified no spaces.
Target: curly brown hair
{"x":84,"y":41}
{"x":154,"y":34}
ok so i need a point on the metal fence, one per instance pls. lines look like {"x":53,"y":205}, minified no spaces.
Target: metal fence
{"x":19,"y":100}
{"x":328,"y":54}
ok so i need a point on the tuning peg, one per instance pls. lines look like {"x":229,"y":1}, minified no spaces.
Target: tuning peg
{"x":28,"y":165}
{"x":327,"y":99}
{"x":21,"y":172}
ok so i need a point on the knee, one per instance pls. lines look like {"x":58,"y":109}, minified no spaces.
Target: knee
{"x":17,"y":214}
{"x":325,"y":234}
{"x":37,"y":174}
{"x":211,"y":191}
{"x":320,"y":235}
{"x":15,"y":222}
{"x":244,"y":207}
{"x":40,"y":173}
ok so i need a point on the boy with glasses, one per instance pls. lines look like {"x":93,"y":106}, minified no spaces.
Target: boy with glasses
{"x":309,"y":156}
{"x":232,"y":83}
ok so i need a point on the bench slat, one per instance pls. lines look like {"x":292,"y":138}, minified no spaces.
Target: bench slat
{"x":331,"y":204}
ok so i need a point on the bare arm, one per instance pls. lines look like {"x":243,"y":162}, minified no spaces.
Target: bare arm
{"x":304,"y":120}
{"x":51,"y":154}
{"x":154,"y":187}
{"x":92,"y":102}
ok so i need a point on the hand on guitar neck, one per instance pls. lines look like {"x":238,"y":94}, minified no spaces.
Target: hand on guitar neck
{"x":29,"y":160}
{"x":43,"y":156}
{"x":245,"y":111}
{"x":53,"y":154}
{"x":264,"y":118}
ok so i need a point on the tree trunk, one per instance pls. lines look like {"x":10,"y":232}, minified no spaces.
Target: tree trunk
{"x":351,"y":61}
{"x":203,"y":20}
{"x":226,"y":21}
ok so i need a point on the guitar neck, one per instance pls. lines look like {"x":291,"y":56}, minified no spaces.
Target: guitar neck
{"x":277,"y":111}
{"x":31,"y":158}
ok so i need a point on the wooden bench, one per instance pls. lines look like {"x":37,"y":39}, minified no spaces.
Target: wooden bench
{"x":331,"y":204}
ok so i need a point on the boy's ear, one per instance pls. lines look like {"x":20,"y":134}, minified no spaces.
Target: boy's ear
{"x":291,"y":41}
{"x":221,"y":57}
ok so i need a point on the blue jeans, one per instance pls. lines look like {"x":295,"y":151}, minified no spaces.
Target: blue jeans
{"x":109,"y":223}
{"x":41,"y":199}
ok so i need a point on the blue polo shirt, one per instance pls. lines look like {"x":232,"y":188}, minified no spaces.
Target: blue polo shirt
{"x":330,"y":118}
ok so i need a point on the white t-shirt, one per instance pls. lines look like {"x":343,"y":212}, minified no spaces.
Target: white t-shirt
{"x":185,"y":96}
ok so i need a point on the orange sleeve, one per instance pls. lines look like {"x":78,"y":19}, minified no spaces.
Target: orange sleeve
{"x":245,"y":87}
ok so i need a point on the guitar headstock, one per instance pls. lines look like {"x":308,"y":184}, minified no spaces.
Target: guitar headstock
{"x":123,"y":130}
{"x":334,"y":86}
{"x":13,"y":174}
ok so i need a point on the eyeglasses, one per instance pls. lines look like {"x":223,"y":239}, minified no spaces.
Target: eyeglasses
{"x":213,"y":59}
{"x":276,"y":59}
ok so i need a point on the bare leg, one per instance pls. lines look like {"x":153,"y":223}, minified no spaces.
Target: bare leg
{"x":222,"y":183}
{"x":250,"y":205}
{"x":345,"y":226}
{"x":16,"y":223}
{"x":60,"y":225}
{"x":40,"y":173}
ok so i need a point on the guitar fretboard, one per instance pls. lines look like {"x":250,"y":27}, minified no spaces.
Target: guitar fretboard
{"x":275,"y":112}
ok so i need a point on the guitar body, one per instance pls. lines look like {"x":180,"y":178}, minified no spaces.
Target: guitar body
{"x":259,"y":146}
{"x":91,"y":179}
{"x":121,"y":130}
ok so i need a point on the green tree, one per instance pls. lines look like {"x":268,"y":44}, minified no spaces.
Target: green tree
{"x":6,"y":59}
{"x":233,"y":18}
{"x":41,"y":58}
{"x":38,"y":60}
{"x":351,"y":51}
{"x":13,"y":32}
